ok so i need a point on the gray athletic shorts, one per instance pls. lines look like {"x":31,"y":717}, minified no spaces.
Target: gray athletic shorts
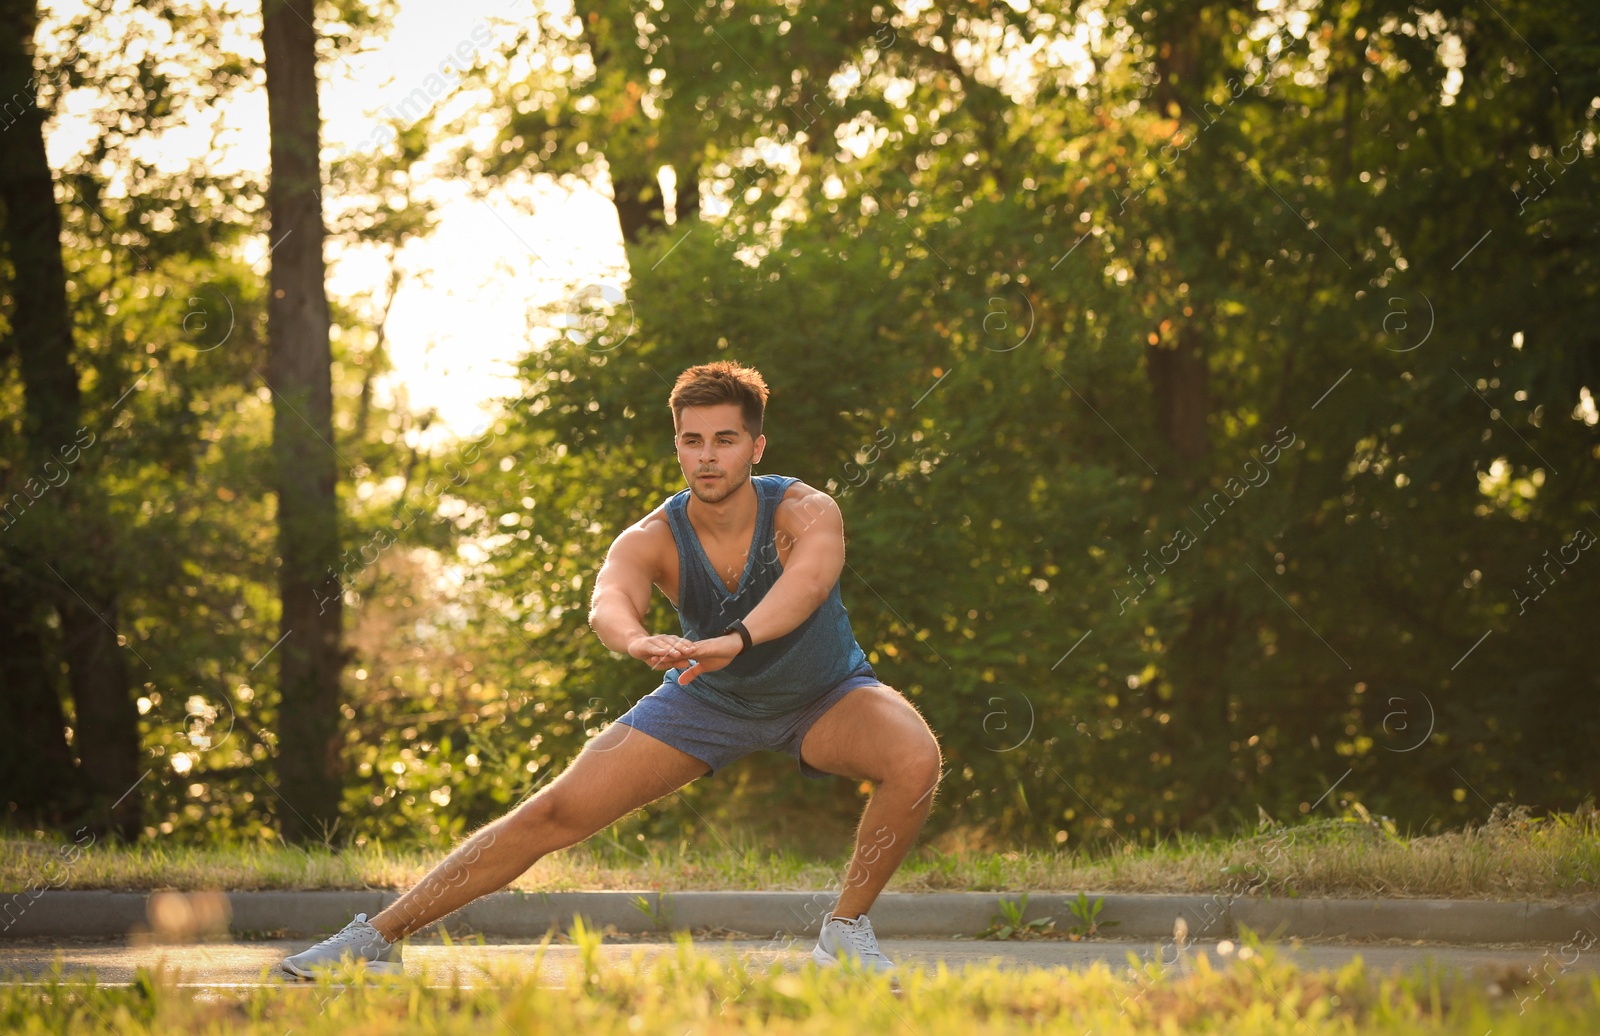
{"x":718,"y":738}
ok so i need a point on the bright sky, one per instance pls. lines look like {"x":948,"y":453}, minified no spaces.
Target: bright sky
{"x":461,"y":317}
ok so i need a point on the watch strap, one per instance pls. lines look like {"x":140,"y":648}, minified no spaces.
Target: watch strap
{"x":744,"y":634}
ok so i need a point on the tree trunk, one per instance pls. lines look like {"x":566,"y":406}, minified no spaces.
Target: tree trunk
{"x":687,"y":203}
{"x":640,"y":205}
{"x":1178,"y":374}
{"x":77,"y":544}
{"x":1198,"y":663}
{"x":310,"y":657}
{"x":37,"y":782}
{"x":1180,"y":383}
{"x":106,"y":733}
{"x":1201,"y":729}
{"x":635,"y":189}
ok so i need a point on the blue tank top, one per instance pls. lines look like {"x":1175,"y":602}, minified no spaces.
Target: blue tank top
{"x":770,"y":678}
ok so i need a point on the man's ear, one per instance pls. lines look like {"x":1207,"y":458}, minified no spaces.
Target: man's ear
{"x":761,"y":447}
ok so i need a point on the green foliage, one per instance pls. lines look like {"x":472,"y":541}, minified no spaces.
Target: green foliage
{"x":1113,"y":635}
{"x":1035,"y":339}
{"x":1008,"y":922}
{"x":1087,"y":914}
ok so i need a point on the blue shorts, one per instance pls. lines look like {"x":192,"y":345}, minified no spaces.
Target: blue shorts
{"x":717,"y":738}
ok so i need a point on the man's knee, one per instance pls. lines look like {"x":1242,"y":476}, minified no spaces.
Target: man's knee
{"x":918,"y":765}
{"x":552,"y":814}
{"x":543,"y":816}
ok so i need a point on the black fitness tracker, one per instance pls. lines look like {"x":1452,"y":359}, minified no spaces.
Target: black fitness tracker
{"x":744,"y":634}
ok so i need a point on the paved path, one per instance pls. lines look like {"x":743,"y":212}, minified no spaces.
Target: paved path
{"x":233,"y":963}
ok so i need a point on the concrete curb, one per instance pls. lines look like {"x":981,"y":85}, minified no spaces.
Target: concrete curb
{"x":63,"y":914}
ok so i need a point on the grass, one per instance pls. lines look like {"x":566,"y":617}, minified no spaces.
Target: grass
{"x":690,"y":990}
{"x":1512,"y":857}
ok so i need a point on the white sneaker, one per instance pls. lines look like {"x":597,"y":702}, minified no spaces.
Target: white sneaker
{"x":359,"y":941}
{"x":845,"y":942}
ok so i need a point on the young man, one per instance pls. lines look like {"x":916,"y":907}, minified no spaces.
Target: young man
{"x":766,"y":660}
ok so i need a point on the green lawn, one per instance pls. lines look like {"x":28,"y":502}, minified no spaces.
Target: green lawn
{"x":692,"y":991}
{"x":1549,"y":858}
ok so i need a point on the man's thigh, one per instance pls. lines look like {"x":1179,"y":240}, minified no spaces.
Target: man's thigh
{"x":868,"y":731}
{"x":618,"y":770}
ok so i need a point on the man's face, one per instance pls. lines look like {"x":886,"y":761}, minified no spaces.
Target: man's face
{"x":714,"y":450}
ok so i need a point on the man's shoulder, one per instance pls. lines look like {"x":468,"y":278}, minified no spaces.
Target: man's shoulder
{"x":647,"y":544}
{"x":654,"y":529}
{"x":802,"y":503}
{"x":793,"y":488}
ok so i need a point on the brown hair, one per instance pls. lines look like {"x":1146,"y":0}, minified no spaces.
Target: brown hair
{"x":722,"y":382}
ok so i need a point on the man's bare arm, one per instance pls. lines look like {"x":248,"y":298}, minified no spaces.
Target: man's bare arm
{"x":812,"y":523}
{"x":621,"y":596}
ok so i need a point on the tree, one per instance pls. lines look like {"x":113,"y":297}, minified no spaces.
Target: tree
{"x":310,"y":657}
{"x":77,"y":543}
{"x":1200,"y":221}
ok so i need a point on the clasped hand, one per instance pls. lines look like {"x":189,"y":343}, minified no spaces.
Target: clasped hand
{"x":664,"y":651}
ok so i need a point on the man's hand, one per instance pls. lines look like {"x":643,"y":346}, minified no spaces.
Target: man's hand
{"x":711,"y":655}
{"x":662,"y":651}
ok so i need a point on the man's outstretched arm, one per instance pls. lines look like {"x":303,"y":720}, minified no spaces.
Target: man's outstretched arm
{"x":621,"y":596}
{"x":810,"y":523}
{"x":814,"y":528}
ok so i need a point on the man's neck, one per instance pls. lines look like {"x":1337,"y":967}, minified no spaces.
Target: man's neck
{"x":727,"y":518}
